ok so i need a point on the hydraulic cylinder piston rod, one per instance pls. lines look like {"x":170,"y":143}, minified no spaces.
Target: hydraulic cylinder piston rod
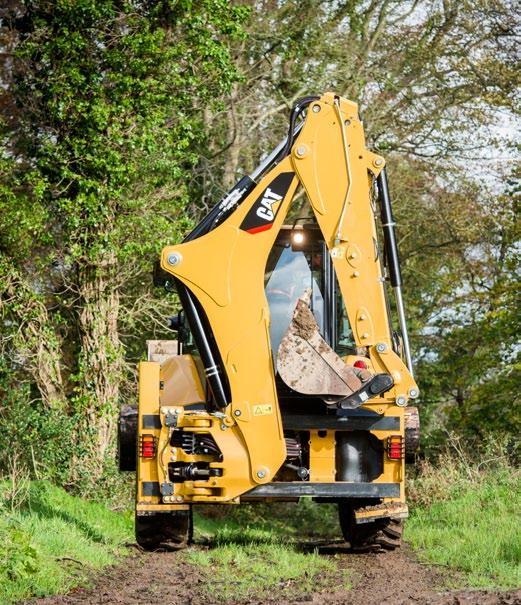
{"x":392,"y":258}
{"x":211,"y":364}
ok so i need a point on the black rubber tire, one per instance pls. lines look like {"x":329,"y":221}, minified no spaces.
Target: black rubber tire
{"x":412,"y":434}
{"x":376,"y":536}
{"x":127,"y":436}
{"x":164,"y":531}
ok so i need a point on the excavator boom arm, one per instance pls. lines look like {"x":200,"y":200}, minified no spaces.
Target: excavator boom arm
{"x":219,"y":271}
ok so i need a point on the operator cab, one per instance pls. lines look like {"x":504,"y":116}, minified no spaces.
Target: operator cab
{"x":300,"y":260}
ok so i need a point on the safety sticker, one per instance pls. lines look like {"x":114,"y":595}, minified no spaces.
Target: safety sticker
{"x":262,"y":410}
{"x":338,"y":252}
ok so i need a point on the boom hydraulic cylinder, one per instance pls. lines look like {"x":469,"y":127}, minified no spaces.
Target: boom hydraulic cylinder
{"x":392,"y":258}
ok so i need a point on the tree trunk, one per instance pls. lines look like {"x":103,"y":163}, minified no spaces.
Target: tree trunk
{"x":36,"y":340}
{"x":101,"y":361}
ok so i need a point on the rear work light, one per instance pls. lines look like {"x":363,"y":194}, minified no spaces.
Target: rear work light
{"x":395,"y":447}
{"x":147,"y":448}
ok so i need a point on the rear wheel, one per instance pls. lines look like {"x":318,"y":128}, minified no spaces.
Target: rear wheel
{"x":127,"y":436}
{"x":376,"y":536}
{"x":167,"y":531}
{"x":412,"y":433}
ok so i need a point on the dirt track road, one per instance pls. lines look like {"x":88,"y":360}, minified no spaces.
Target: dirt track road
{"x":390,"y":579}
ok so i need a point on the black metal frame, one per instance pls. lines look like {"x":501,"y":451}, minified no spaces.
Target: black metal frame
{"x":325,"y":490}
{"x":308,"y":422}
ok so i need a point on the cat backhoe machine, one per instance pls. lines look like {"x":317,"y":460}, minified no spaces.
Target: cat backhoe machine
{"x":287,"y":379}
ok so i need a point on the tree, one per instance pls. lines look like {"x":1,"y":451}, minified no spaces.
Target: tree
{"x":470,"y":355}
{"x":432,"y":87}
{"x":429,"y":83}
{"x":99,"y":110}
{"x":122,"y":121}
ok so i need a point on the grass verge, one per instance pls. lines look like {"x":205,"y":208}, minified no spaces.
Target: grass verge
{"x":466,"y":516}
{"x":51,"y":541}
{"x":255,"y":553}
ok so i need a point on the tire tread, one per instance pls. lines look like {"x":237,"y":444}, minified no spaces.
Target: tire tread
{"x":377,"y":536}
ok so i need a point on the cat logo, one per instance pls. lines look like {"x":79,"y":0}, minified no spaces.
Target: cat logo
{"x":262,"y":409}
{"x":264,"y":210}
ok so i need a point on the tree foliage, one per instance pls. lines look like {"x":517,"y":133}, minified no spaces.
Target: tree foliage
{"x":100,"y":111}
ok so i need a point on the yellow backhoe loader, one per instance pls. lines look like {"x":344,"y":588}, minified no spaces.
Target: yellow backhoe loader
{"x":287,"y":379}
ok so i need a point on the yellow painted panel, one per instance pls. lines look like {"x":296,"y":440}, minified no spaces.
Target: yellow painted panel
{"x":146,"y":469}
{"x":181,"y":383}
{"x":239,"y":315}
{"x":322,"y":456}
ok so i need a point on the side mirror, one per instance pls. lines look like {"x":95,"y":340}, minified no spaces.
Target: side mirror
{"x":176,"y":322}
{"x":162,"y":279}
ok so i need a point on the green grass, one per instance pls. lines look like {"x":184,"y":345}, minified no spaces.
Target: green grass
{"x":290,"y":520}
{"x":465,"y":516}
{"x":475,"y":526}
{"x":255,"y":554}
{"x":51,"y":541}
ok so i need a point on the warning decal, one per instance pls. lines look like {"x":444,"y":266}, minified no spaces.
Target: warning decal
{"x":262,"y":409}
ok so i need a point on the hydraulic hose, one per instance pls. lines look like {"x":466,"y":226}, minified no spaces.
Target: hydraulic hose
{"x":297,"y":109}
{"x":199,"y":331}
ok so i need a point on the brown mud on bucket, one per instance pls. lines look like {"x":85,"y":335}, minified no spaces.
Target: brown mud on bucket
{"x":308,"y":365}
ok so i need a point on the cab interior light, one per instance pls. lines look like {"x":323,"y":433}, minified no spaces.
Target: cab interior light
{"x":297,"y":237}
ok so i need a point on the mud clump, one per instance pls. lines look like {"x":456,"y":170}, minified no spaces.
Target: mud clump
{"x":303,"y":324}
{"x":323,"y":347}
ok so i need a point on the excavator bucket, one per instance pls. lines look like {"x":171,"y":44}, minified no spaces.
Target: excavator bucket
{"x":305,"y":361}
{"x":308,"y":365}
